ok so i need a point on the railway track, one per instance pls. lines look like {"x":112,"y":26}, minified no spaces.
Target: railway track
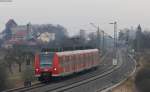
{"x":115,"y":75}
{"x":54,"y":86}
{"x":77,"y":84}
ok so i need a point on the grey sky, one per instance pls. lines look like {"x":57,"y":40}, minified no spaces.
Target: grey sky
{"x":76,"y":14}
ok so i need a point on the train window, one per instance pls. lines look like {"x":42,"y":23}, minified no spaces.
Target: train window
{"x":97,"y":57}
{"x":85,"y":57}
{"x":76,"y":59}
{"x":70,"y":60}
{"x":88,"y":57}
{"x":91,"y":57}
{"x":81,"y":58}
{"x":67,"y":60}
{"x":94,"y":57}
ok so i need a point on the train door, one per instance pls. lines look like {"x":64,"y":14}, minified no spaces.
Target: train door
{"x":61,"y":61}
{"x":63,"y":64}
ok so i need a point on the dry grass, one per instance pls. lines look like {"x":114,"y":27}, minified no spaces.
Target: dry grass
{"x":127,"y":86}
{"x":16,"y":79}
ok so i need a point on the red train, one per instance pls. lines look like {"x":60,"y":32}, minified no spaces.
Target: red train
{"x":59,"y":64}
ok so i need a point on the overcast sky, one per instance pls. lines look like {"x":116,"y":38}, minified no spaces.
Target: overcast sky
{"x":77,"y":14}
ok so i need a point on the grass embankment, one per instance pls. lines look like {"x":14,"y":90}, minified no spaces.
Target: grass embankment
{"x":127,"y":86}
{"x":142,"y":79}
{"x":139,"y":80}
{"x":16,"y":79}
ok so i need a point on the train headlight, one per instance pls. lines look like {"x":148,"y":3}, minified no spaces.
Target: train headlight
{"x":37,"y":70}
{"x":55,"y":69}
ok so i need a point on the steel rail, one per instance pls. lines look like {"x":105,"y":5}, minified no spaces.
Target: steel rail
{"x":39,"y":85}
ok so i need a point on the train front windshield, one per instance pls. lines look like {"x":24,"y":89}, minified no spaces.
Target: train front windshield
{"x":46,"y":59}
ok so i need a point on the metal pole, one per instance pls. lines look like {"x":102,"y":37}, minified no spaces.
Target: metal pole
{"x":103,"y":41}
{"x":115,"y":37}
{"x":115,"y":31}
{"x":98,"y":38}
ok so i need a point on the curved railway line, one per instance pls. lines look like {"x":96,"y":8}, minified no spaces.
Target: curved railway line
{"x":105,"y":69}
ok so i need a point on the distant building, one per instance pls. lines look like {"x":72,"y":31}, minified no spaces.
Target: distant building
{"x":32,"y":34}
{"x":46,"y":37}
{"x":22,"y":32}
{"x":7,"y":32}
{"x":19,"y":33}
{"x":7,"y":44}
{"x":83,"y":34}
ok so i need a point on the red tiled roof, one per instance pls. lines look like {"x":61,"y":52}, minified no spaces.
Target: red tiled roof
{"x":21,"y":33}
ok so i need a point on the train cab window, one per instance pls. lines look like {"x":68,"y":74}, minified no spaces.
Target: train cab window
{"x":46,"y":59}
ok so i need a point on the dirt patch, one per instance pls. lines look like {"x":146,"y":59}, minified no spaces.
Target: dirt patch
{"x":143,"y":61}
{"x":127,"y":86}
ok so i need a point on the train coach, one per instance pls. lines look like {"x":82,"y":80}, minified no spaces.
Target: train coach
{"x":60,"y":64}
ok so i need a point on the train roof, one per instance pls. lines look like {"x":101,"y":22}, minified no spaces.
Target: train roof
{"x":76,"y":52}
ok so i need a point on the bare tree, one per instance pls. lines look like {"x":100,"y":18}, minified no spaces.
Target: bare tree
{"x":19,"y":58}
{"x":9,"y":60}
{"x":3,"y":76}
